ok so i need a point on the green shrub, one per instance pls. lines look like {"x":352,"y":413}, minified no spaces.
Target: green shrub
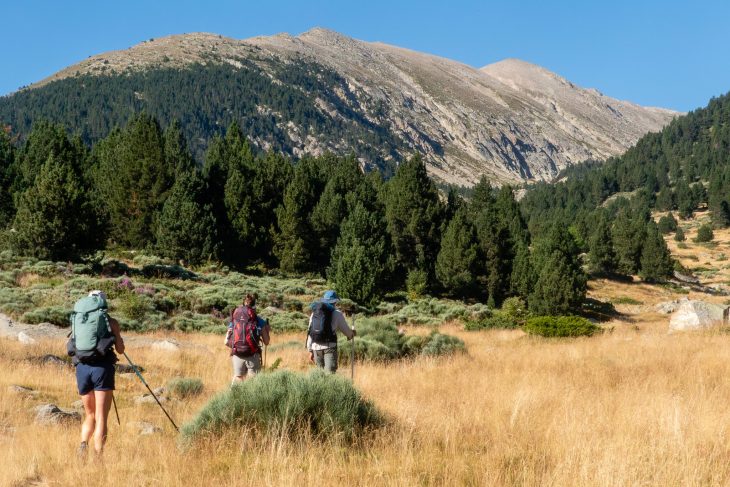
{"x":498,"y":319}
{"x":439,"y":344}
{"x":56,"y":315}
{"x":288,"y":321}
{"x":560,"y":326}
{"x":184,"y":387}
{"x":135,"y":306}
{"x":416,"y":283}
{"x":704,"y":233}
{"x":204,"y":323}
{"x":286,"y":403}
{"x":625,"y":300}
{"x":515,"y":307}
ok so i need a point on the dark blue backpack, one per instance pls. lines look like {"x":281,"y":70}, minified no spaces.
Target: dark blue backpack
{"x":320,"y":330}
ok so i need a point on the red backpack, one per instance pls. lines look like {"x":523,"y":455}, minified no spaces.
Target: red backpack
{"x":244,"y":340}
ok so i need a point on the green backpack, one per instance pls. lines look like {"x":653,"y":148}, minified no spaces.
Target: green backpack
{"x":91,"y":333}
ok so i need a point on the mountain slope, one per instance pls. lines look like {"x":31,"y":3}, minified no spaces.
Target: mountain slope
{"x":511,"y":120}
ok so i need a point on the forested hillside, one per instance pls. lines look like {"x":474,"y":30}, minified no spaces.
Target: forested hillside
{"x":683,"y":168}
{"x":139,"y":188}
{"x":279,"y":109}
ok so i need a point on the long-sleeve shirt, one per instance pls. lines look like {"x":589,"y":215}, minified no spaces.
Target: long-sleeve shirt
{"x":339,"y":323}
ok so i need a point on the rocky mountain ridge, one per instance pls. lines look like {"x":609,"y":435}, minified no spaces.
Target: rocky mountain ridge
{"x":511,"y":120}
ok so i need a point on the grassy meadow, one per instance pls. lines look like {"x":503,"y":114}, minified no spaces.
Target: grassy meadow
{"x":631,"y":406}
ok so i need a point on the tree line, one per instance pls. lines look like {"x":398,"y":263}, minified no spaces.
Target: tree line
{"x":141,"y":188}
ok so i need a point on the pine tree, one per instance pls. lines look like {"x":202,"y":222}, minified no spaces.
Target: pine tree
{"x":360,"y":261}
{"x":7,"y":155}
{"x":186,"y":229}
{"x":522,"y":280}
{"x":331,"y":209}
{"x":683,"y":198}
{"x":296,"y":244}
{"x":413,"y":214}
{"x":560,"y":287}
{"x":177,"y":154}
{"x":665,"y":199}
{"x":133,"y":179}
{"x":628,"y":233}
{"x":704,"y":233}
{"x":456,"y":264}
{"x":656,"y":261}
{"x":667,"y":224}
{"x":721,"y":215}
{"x":55,"y":219}
{"x":600,"y":247}
{"x":679,"y":235}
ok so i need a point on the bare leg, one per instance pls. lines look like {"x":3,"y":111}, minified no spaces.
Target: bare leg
{"x":87,"y":428}
{"x":103,"y":404}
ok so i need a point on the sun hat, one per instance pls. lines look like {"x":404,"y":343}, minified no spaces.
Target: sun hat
{"x":330,"y":297}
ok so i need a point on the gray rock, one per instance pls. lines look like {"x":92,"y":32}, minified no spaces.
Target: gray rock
{"x":48,"y":414}
{"x":696,"y":315}
{"x":149,"y":399}
{"x":686,"y":278}
{"x":26,"y":339}
{"x":50,"y":359}
{"x":78,"y":405}
{"x":166,"y":345}
{"x":143,"y":428}
{"x":667,"y":307}
{"x":23,"y":391}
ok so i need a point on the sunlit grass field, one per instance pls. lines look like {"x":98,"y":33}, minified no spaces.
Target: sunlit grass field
{"x":632,"y":406}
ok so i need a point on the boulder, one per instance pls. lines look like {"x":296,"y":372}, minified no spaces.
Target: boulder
{"x":23,"y":391}
{"x":166,"y":345}
{"x":26,"y":339}
{"x":697,"y":315}
{"x":667,"y":307}
{"x":51,"y":414}
{"x":143,"y":428}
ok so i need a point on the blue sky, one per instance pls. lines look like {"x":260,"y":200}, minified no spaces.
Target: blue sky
{"x":660,"y":53}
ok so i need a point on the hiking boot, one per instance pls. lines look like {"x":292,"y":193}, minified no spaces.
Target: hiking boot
{"x":82,"y":451}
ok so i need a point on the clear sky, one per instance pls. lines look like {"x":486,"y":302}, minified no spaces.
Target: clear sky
{"x":667,"y":53}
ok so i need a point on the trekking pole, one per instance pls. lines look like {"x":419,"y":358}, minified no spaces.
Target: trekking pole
{"x":114,"y":401}
{"x":136,"y":371}
{"x":352,"y":352}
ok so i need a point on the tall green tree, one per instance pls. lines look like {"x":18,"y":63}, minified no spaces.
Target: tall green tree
{"x":560,"y":287}
{"x":296,"y":244}
{"x":133,"y":178}
{"x":456,"y":264}
{"x":55,"y":218}
{"x":628,"y":231}
{"x":656,"y":260}
{"x":413,"y":214}
{"x":186,"y":229}
{"x":361,"y":263}
{"x":7,"y":155}
{"x":601,"y":255}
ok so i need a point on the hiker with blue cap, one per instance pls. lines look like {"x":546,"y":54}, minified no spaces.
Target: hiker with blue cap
{"x":324,"y":323}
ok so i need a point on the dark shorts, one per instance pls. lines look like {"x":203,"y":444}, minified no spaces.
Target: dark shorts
{"x":94,"y":377}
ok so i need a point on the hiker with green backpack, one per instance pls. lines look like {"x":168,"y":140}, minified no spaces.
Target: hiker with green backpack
{"x":324,"y":323}
{"x":94,"y":336}
{"x":247,"y":333}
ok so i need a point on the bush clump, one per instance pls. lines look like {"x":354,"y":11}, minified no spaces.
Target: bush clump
{"x":288,"y":403}
{"x":560,"y":326}
{"x":56,"y":315}
{"x":184,"y":387}
{"x":498,"y":319}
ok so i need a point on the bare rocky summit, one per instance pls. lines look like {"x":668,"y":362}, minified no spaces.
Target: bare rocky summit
{"x":511,"y":120}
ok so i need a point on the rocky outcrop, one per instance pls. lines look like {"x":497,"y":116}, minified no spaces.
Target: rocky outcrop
{"x":48,"y":414}
{"x":512,"y":121}
{"x":697,"y":315}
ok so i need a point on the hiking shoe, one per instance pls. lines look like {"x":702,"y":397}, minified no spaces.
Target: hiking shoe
{"x":82,"y":451}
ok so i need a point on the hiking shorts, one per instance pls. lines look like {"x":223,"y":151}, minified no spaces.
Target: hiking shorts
{"x":243,"y":366}
{"x":96,"y":377}
{"x":326,"y":359}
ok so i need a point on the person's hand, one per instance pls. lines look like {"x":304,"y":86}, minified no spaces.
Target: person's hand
{"x":311,"y":356}
{"x":354,"y":333}
{"x":119,"y":346}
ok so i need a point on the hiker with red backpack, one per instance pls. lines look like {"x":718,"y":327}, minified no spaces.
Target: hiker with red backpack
{"x":94,"y":336}
{"x":246,"y":333}
{"x":324,"y":323}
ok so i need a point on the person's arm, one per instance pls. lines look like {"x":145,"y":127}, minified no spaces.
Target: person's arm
{"x":116,"y":331}
{"x":309,"y":340}
{"x":338,"y":317}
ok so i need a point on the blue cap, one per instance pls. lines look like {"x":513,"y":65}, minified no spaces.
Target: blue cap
{"x":330,"y":297}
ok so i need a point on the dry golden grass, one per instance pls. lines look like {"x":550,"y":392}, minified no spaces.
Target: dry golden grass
{"x":636,"y":406}
{"x":633,"y":407}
